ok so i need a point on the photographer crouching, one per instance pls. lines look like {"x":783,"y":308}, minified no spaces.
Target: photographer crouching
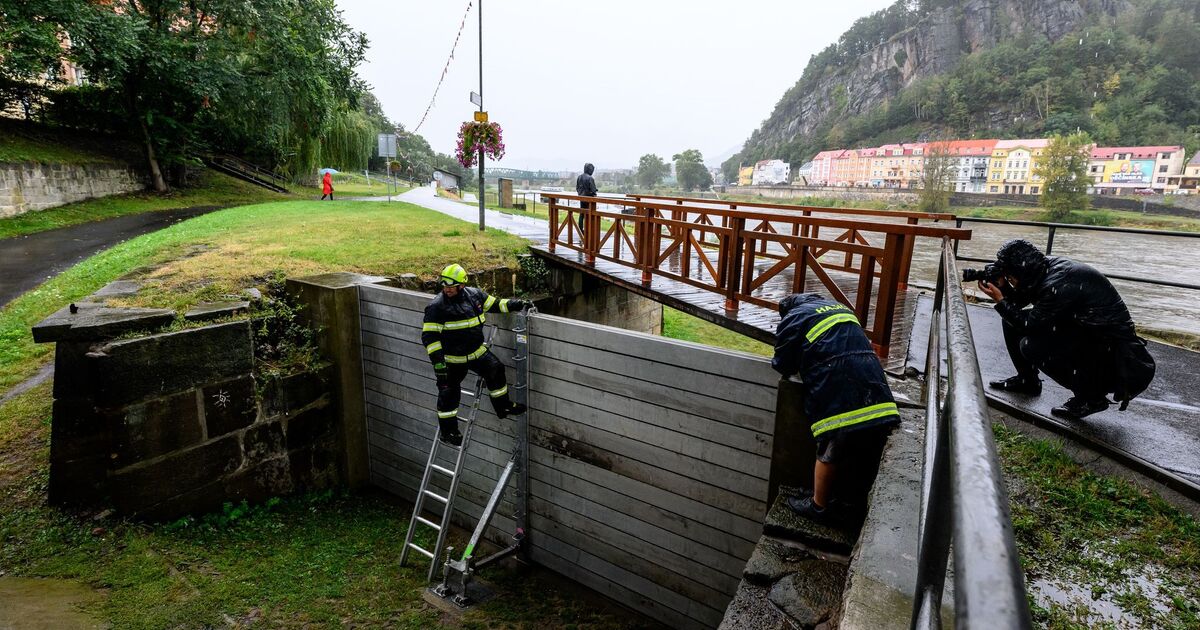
{"x":1065,"y":319}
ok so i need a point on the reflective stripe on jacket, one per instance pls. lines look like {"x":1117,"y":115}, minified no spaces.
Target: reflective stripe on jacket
{"x":452,"y":331}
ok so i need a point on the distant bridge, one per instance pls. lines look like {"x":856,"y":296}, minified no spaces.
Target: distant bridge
{"x":514,"y":173}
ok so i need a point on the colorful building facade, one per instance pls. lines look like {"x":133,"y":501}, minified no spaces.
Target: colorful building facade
{"x":1117,"y":170}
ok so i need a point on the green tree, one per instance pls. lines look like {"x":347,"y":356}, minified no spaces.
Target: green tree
{"x":1063,"y":171}
{"x":272,"y":77}
{"x":937,"y":178}
{"x":690,"y":171}
{"x":31,"y":50}
{"x":650,"y":171}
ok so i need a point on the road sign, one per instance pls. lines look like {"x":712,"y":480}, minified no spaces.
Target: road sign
{"x":387,"y":145}
{"x":477,"y":99}
{"x":481,"y":117}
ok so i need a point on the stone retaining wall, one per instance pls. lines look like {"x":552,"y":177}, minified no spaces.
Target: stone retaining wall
{"x":172,"y":424}
{"x":29,"y":187}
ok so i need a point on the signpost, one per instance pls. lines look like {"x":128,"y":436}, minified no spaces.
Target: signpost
{"x":387,"y":150}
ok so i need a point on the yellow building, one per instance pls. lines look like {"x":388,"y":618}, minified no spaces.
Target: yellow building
{"x":1012,"y":165}
{"x":745,"y":175}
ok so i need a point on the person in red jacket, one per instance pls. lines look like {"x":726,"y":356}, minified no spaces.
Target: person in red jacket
{"x":327,"y":186}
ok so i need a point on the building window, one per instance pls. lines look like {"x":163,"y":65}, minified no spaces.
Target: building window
{"x":995,"y":189}
{"x":1162,"y":169}
{"x":1033,"y":190}
{"x":1162,"y":180}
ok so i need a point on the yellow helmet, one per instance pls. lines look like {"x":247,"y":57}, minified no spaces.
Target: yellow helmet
{"x":453,"y":275}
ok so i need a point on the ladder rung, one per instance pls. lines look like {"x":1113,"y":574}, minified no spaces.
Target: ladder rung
{"x":468,"y":392}
{"x":424,"y":521}
{"x":430,"y":493}
{"x":443,"y":470}
{"x":519,"y":358}
{"x":425,"y":552}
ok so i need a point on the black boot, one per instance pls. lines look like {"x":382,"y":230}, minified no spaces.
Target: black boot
{"x":448,"y":431}
{"x":1077,"y":408}
{"x":505,"y":407}
{"x":1029,"y":385}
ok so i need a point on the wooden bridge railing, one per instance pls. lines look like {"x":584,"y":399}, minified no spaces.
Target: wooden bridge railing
{"x":661,"y":238}
{"x":909,"y":217}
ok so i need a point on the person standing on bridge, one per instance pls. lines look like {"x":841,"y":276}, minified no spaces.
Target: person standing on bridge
{"x":846,"y":398}
{"x":452,"y":334}
{"x":1066,"y":319}
{"x":585,"y":186}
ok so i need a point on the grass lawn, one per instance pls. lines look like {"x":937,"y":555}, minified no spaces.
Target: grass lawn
{"x":319,"y":560}
{"x":213,"y":189}
{"x":1120,"y":218}
{"x":353,"y":184}
{"x":680,"y":325}
{"x":226,"y":251}
{"x":1098,"y":538}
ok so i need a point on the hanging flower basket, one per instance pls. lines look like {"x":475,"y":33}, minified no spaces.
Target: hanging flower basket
{"x":473,"y":136}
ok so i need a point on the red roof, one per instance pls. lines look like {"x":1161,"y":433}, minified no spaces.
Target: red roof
{"x":1137,"y":153}
{"x":979,"y":148}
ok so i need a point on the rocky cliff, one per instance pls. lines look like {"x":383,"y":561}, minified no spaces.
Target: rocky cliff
{"x":931,"y":42}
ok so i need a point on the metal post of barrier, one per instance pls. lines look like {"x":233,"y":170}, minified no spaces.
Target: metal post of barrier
{"x":962,"y":490}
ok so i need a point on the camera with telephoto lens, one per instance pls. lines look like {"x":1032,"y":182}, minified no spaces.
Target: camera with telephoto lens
{"x":989,"y":274}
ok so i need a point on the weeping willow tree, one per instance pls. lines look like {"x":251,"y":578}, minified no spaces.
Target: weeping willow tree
{"x":346,"y":143}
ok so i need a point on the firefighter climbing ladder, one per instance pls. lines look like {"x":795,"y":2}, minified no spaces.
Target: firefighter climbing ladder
{"x":468,"y":565}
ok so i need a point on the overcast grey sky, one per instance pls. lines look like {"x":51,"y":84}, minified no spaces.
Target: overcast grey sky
{"x":604,"y":81}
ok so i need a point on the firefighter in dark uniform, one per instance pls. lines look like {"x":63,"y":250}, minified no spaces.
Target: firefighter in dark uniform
{"x":846,"y":398}
{"x":453,"y":336}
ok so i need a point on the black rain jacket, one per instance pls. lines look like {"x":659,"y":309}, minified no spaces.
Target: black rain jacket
{"x":1071,"y":293}
{"x":453,"y":328}
{"x":585,"y":184}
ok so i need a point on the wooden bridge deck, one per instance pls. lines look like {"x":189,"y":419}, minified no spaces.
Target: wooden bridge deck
{"x":753,"y":321}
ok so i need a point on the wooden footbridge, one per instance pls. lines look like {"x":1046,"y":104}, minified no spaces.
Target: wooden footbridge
{"x":732,"y":262}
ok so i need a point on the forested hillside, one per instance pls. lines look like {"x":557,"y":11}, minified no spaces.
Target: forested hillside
{"x":1124,"y":71}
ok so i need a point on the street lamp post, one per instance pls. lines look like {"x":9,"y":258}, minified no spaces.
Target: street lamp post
{"x":481,"y":189}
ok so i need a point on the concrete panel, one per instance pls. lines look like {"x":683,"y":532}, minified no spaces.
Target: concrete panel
{"x":649,"y":458}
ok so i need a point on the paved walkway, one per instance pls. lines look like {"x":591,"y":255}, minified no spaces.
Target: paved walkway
{"x":27,"y":261}
{"x":1161,"y":427}
{"x":526,"y":227}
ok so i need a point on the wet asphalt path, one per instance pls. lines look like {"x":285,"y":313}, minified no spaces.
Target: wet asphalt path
{"x":1162,"y":426}
{"x":27,"y":261}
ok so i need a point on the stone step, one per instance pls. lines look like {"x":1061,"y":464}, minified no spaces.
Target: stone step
{"x":207,"y":311}
{"x":782,"y":522}
{"x":787,"y":585}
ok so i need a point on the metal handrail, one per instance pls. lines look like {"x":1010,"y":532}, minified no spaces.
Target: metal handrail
{"x":963,"y":500}
{"x":1052,"y":229}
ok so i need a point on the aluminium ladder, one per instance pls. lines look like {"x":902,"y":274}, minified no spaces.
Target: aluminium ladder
{"x":467,"y":565}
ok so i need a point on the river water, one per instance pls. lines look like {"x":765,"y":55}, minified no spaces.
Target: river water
{"x":1140,"y":255}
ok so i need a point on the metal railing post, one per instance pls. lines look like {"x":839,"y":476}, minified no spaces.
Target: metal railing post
{"x":962,"y":495}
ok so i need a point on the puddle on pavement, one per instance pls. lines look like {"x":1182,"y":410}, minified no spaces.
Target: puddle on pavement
{"x":1103,"y":609}
{"x":43,"y":604}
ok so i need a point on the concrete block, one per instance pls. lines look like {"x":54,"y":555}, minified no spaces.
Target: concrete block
{"x":79,"y":482}
{"x":812,"y":595}
{"x":773,"y":559}
{"x":291,"y":393}
{"x":271,"y":478}
{"x":207,"y":311}
{"x":263,"y":441}
{"x":750,"y":610}
{"x":782,"y":522}
{"x":229,"y":406}
{"x":306,"y":428}
{"x":154,"y":428}
{"x":140,"y":486}
{"x":76,"y":431}
{"x":181,"y":360}
{"x":92,"y":322}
